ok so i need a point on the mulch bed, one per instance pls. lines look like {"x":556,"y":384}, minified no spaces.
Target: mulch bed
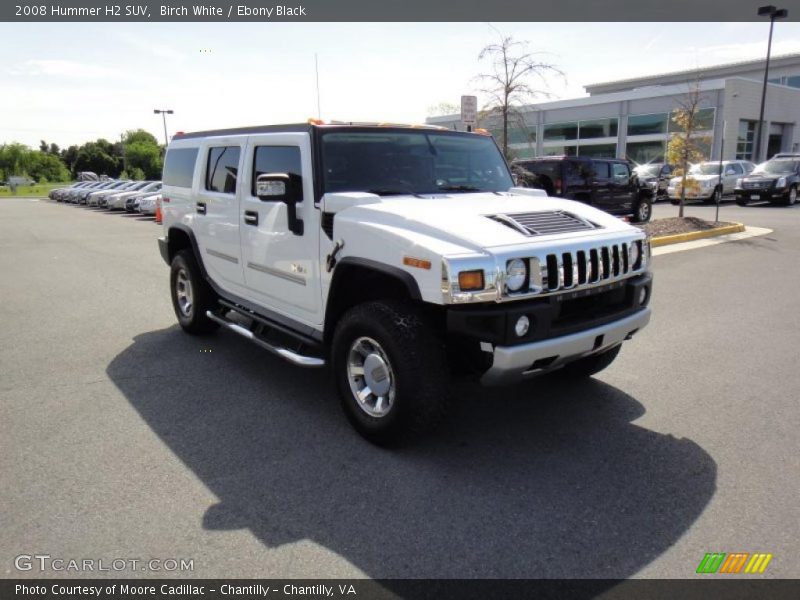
{"x":675,"y":225}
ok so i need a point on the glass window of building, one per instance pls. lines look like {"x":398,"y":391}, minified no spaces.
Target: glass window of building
{"x":745,"y":139}
{"x":704,"y":121}
{"x":645,"y":152}
{"x":598,"y":150}
{"x":598,"y":128}
{"x":793,"y":81}
{"x":561,"y":131}
{"x":561,"y":151}
{"x":647,"y":124}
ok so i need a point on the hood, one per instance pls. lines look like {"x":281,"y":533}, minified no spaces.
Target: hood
{"x":464,"y":220}
{"x":765,"y":176}
{"x":697,"y":178}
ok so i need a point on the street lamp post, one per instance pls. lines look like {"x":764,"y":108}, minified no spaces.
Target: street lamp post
{"x":773,"y":13}
{"x":164,"y":112}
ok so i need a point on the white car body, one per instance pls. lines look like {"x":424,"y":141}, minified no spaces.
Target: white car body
{"x":283,"y":274}
{"x":117,"y":201}
{"x":147,"y":204}
{"x":709,"y":181}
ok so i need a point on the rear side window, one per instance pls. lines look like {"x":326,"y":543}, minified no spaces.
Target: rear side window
{"x":275,"y":159}
{"x":621,"y":171}
{"x":179,"y":167}
{"x":601,"y":170}
{"x":222,"y":169}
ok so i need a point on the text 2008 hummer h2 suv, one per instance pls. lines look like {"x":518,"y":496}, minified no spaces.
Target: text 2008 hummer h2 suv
{"x":398,"y":255}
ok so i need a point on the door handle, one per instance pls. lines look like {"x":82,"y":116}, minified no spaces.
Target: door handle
{"x":250,"y":217}
{"x":201,"y":208}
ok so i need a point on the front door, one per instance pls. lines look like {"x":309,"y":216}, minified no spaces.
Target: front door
{"x":280,"y":267}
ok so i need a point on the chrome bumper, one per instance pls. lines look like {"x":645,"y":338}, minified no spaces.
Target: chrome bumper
{"x":515,"y":363}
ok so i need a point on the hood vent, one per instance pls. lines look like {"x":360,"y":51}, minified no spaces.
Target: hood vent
{"x":544,"y":222}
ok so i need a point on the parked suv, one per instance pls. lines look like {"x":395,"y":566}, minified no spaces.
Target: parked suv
{"x":709,"y":186}
{"x":776,"y":180}
{"x":393,"y":255}
{"x":606,"y":183}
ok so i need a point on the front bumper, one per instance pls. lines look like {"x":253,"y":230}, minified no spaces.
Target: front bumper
{"x":762,"y":194}
{"x":515,"y":363}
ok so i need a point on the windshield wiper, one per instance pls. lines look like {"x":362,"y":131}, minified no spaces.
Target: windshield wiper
{"x":460,"y":188}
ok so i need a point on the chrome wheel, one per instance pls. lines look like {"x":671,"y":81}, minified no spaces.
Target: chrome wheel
{"x":644,"y":211}
{"x":370,"y":376}
{"x":792,"y":196}
{"x":183,"y":292}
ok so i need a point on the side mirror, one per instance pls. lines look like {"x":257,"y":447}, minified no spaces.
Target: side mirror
{"x":286,"y":188}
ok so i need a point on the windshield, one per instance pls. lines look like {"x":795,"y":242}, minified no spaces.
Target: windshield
{"x":773,"y":167}
{"x":647,"y":170}
{"x":411,"y":162}
{"x":705,"y":169}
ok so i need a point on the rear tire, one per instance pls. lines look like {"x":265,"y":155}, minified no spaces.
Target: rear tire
{"x":191,"y":294}
{"x":589,"y":365}
{"x":389,"y":346}
{"x":643,"y":211}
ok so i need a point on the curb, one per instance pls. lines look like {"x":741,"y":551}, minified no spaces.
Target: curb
{"x":665,"y":240}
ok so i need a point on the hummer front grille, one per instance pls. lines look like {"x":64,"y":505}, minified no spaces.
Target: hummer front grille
{"x":583,"y":268}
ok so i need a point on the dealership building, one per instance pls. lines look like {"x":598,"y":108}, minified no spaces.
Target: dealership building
{"x":631,"y":118}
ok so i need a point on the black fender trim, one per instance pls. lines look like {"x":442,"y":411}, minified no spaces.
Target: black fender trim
{"x":304,"y":333}
{"x":406,"y":278}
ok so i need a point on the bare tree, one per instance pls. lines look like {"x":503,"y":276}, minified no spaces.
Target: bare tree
{"x":507,"y":84}
{"x":685,"y":146}
{"x":443,"y":108}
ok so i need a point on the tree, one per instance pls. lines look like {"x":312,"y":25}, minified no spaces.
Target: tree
{"x":142,"y":153}
{"x":444,"y":108}
{"x":97,"y":157}
{"x":685,"y":146}
{"x":507,"y":84}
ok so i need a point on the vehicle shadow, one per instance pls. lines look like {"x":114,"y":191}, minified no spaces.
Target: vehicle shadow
{"x":543,"y":480}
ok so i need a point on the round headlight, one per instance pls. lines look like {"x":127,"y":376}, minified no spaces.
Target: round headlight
{"x":516,"y":272}
{"x":634,"y":254}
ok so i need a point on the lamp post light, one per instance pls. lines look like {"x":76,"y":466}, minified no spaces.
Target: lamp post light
{"x":773,"y":14}
{"x":164,"y":112}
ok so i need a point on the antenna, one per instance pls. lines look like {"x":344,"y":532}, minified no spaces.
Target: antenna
{"x":316,"y":68}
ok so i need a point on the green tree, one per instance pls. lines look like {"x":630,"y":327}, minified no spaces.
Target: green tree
{"x":142,"y":152}
{"x":685,"y":147}
{"x":45,"y":166}
{"x":507,"y":83}
{"x":98,"y":158}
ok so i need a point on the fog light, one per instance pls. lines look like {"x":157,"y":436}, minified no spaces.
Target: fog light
{"x":642,"y":296}
{"x":522,"y":325}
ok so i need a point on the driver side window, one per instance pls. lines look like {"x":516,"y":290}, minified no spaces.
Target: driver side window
{"x":275,"y":159}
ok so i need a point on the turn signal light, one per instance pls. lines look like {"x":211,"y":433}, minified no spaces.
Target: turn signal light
{"x":416,"y":262}
{"x":470,"y":281}
{"x":316,"y":122}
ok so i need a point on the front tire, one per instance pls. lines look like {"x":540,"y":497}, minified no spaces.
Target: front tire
{"x":191,"y":294}
{"x":589,"y":365}
{"x":715,"y":197}
{"x":741,"y":201}
{"x":391,"y":371}
{"x":792,"y":199}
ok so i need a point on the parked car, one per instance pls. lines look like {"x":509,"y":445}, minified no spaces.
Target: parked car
{"x":708,"y":187}
{"x":57,"y":194}
{"x":75,"y":196}
{"x":654,"y":178}
{"x":605,"y":183}
{"x":392,"y":253}
{"x":776,"y":181}
{"x":91,"y":198}
{"x":147,"y":204}
{"x":117,"y":201}
{"x":99,"y":198}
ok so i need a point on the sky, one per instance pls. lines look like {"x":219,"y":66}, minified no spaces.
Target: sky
{"x":70,"y":83}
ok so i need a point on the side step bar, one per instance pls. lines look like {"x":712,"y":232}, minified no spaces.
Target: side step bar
{"x":285,"y":353}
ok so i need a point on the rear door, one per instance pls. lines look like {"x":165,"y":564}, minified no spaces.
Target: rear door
{"x":623,"y":187}
{"x":216,"y":208}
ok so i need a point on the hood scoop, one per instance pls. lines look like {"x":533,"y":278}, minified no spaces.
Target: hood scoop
{"x":544,"y":222}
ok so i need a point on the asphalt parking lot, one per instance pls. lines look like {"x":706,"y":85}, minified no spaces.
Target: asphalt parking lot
{"x":120,"y":436}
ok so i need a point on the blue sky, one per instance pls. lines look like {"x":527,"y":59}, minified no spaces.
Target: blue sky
{"x":69,"y":83}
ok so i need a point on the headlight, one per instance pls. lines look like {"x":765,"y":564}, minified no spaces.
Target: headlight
{"x":739,"y":182}
{"x":635,"y":253}
{"x":707,"y":183}
{"x":781,"y":182}
{"x":516,"y":274}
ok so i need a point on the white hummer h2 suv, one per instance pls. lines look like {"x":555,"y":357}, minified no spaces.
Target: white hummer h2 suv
{"x":397,"y":255}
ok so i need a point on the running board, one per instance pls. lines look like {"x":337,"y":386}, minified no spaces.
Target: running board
{"x":286,"y":354}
